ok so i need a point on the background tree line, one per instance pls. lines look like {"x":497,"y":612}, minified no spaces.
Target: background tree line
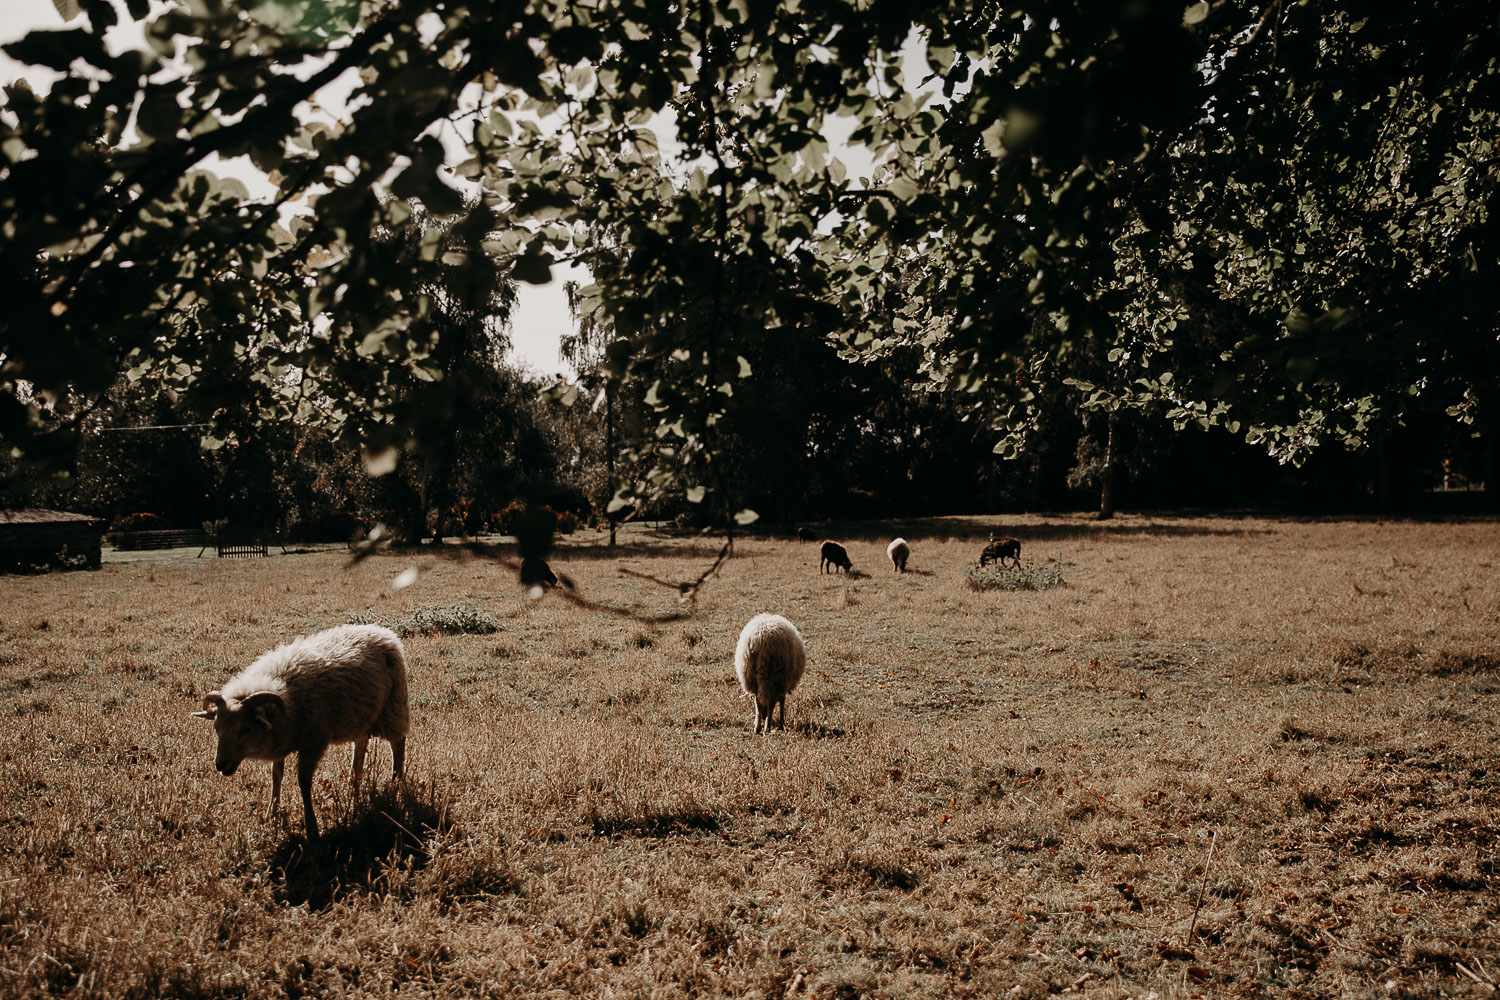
{"x":814,"y":438}
{"x":1271,"y":222}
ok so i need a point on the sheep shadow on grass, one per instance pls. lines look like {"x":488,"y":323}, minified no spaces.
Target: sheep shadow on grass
{"x":682,"y":821}
{"x":394,"y":826}
{"x":816,"y":731}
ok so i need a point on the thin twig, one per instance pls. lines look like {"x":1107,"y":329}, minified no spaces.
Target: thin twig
{"x":1461,"y":967}
{"x":1213,"y":843}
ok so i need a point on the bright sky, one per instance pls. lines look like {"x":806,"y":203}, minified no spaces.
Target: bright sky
{"x":542,"y":315}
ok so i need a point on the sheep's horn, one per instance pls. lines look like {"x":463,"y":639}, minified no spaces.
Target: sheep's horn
{"x":213,"y":704}
{"x":264,"y":703}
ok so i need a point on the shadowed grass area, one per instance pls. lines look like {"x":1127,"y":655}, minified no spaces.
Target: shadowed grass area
{"x":1231,"y":758}
{"x":391,"y":829}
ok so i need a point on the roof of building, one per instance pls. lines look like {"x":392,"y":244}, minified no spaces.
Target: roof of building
{"x":36,"y":515}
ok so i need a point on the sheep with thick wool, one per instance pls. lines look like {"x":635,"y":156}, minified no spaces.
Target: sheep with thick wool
{"x":339,"y":686}
{"x":769,"y":661}
{"x":898,"y":552}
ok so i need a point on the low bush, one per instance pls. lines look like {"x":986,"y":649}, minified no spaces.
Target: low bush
{"x":141,"y":522}
{"x":1027,"y":576}
{"x":447,"y":619}
{"x":504,"y":523}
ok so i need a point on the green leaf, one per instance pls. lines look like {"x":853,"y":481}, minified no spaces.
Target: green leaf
{"x":994,"y":138}
{"x":904,"y":188}
{"x":532,"y":268}
{"x":53,"y":49}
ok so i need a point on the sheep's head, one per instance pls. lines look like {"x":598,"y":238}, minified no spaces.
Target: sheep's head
{"x":244,"y":729}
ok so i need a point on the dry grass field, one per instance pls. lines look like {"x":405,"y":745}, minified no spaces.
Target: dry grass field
{"x":1230,"y":757}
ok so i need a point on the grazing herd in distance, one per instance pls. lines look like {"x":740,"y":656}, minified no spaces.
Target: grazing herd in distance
{"x":347,"y":684}
{"x":834,"y":557}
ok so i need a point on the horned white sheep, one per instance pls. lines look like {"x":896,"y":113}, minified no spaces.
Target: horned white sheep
{"x":769,"y":661}
{"x":899,"y":552}
{"x":340,"y":686}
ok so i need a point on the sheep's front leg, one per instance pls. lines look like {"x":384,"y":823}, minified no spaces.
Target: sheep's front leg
{"x":762,"y":716}
{"x":780,"y":708}
{"x":307,"y":764}
{"x":360,"y":745}
{"x":278,"y":768}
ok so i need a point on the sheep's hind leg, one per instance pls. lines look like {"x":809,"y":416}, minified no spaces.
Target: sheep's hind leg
{"x":398,"y":757}
{"x":307,"y":764}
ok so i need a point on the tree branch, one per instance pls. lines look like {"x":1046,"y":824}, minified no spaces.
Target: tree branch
{"x":169,"y":167}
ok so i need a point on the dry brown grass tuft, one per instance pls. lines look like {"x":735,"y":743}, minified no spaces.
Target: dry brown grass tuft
{"x":1232,"y":757}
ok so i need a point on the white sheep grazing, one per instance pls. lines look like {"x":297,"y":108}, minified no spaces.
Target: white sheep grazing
{"x":899,"y":552}
{"x":769,"y":661}
{"x":343,"y":685}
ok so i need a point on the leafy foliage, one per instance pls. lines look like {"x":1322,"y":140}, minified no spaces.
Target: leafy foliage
{"x":1276,"y":218}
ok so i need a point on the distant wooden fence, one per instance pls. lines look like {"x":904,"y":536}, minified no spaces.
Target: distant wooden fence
{"x":132,"y":541}
{"x":241,"y":548}
{"x":234,"y":545}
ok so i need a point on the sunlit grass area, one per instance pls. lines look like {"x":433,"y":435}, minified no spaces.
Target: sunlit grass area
{"x":1223,"y":757}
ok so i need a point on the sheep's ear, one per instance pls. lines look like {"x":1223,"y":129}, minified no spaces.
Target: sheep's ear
{"x":265,"y":707}
{"x":213,"y":704}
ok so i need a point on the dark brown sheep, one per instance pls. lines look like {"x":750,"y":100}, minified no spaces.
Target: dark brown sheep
{"x":835,"y":555}
{"x":999,"y":550}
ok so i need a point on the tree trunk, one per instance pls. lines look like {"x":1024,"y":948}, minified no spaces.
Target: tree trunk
{"x":418,"y":527}
{"x":1382,"y":478}
{"x":426,"y":488}
{"x":1491,"y":484}
{"x":609,"y":451}
{"x":1107,"y":477}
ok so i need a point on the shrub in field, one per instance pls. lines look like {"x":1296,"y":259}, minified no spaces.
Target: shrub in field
{"x":448,"y":619}
{"x":567,"y":521}
{"x":1029,"y":576}
{"x":504,"y":523}
{"x":141,"y":522}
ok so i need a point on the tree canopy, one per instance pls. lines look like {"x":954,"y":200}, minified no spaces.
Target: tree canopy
{"x":1274,"y":217}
